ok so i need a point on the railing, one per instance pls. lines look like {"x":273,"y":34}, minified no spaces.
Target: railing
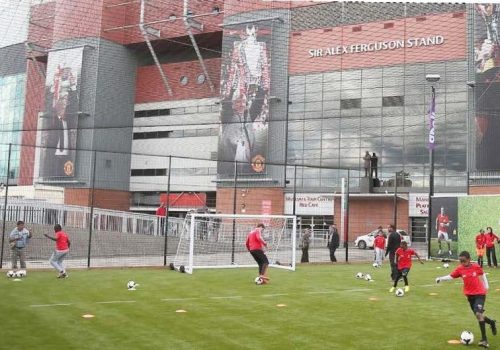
{"x":484,"y":177}
{"x":44,"y":213}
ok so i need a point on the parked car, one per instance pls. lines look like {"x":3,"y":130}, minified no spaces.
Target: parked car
{"x":366,"y":241}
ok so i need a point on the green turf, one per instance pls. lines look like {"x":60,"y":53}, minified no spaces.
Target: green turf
{"x":326,"y":308}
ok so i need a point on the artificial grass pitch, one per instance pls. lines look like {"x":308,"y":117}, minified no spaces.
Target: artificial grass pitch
{"x":315,"y":307}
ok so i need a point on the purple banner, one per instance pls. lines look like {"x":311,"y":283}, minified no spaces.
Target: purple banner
{"x":432,"y":120}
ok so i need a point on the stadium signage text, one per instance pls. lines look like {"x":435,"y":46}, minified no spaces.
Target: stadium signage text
{"x":377,"y":46}
{"x":309,"y":204}
{"x":418,"y":205}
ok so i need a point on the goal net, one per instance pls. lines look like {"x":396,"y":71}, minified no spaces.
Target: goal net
{"x":218,"y":241}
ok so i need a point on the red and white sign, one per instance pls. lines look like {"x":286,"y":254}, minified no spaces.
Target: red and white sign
{"x":418,"y":205}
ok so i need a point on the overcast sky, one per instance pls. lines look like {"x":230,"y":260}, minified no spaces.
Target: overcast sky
{"x":13,"y":21}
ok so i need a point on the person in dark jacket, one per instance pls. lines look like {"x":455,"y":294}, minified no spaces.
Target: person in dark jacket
{"x":393,"y":243}
{"x":333,"y":241}
{"x":304,"y":244}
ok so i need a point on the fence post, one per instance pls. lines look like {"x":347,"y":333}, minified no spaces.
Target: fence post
{"x":233,"y":242}
{"x":165,"y":229}
{"x":5,"y":204}
{"x":91,"y":227}
{"x":395,"y":205}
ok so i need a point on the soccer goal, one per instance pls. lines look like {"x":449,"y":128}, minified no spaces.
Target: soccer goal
{"x":218,"y":241}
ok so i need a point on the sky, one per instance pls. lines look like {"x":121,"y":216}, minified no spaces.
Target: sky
{"x":13,"y":21}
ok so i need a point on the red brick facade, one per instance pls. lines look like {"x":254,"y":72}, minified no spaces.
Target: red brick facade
{"x":106,"y":199}
{"x":149,"y":86}
{"x":255,"y":201}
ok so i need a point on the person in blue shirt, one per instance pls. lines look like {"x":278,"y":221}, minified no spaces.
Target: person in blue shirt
{"x":18,"y":240}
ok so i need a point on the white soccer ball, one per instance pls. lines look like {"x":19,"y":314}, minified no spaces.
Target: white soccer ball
{"x":360,"y":275}
{"x":375,"y":265}
{"x":131,"y":285}
{"x":467,"y":338}
{"x":18,"y":274}
{"x":258,"y":280}
{"x":10,"y":273}
{"x":368,"y":277}
{"x":446,"y":265}
{"x":400,"y":292}
{"x":21,"y":273}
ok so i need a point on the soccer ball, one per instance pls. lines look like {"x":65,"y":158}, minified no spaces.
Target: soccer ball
{"x":258,"y":280}
{"x":467,"y":338}
{"x":400,"y":292}
{"x":11,"y":274}
{"x":446,"y":265}
{"x":131,"y":285}
{"x":375,"y":265}
{"x":360,"y":275}
{"x":368,"y":277}
{"x":21,"y":273}
{"x":18,"y":274}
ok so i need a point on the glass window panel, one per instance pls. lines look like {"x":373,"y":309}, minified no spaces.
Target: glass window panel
{"x":350,"y":94}
{"x":312,"y":144}
{"x":331,"y":77}
{"x":331,"y":123}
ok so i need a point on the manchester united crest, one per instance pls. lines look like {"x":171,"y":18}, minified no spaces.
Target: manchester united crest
{"x":258,"y":163}
{"x":69,"y":168}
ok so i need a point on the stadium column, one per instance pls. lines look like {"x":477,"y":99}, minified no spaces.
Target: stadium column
{"x":106,"y":96}
{"x":5,"y":204}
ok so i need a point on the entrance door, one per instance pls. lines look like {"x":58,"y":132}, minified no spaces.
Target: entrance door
{"x":418,"y":229}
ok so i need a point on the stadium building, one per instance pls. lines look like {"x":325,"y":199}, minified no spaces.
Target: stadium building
{"x":253,"y":107}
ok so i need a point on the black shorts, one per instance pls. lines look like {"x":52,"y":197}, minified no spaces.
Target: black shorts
{"x":259,"y":257}
{"x":404,"y":272}
{"x":476,"y":303}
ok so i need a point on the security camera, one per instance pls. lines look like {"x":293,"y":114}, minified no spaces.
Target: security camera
{"x":432,"y":78}
{"x":471,"y":84}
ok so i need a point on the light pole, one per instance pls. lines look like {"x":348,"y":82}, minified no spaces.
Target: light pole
{"x":431,"y":78}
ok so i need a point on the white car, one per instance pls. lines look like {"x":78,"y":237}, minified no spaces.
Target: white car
{"x":366,"y":241}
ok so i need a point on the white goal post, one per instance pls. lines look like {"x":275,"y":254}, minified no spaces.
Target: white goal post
{"x":218,"y":241}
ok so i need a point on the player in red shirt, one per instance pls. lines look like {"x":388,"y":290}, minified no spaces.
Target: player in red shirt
{"x":403,"y":260}
{"x":379,"y":247}
{"x":442,"y":226}
{"x":480,"y":246}
{"x":475,"y":289}
{"x":62,"y":249}
{"x":255,"y":245}
{"x":490,"y":247}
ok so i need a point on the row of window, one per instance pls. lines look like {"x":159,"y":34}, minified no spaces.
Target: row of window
{"x":175,"y":171}
{"x":176,"y":111}
{"x":176,"y":133}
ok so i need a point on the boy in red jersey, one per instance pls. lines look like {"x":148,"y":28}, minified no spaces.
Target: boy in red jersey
{"x":403,"y":260}
{"x":255,"y":245}
{"x":475,"y":289}
{"x":379,"y":246}
{"x":62,"y":249}
{"x":480,"y":246}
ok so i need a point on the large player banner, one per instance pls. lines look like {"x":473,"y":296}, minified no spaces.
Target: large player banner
{"x":245,"y":88}
{"x":487,"y":89}
{"x":444,"y":223}
{"x":59,"y":127}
